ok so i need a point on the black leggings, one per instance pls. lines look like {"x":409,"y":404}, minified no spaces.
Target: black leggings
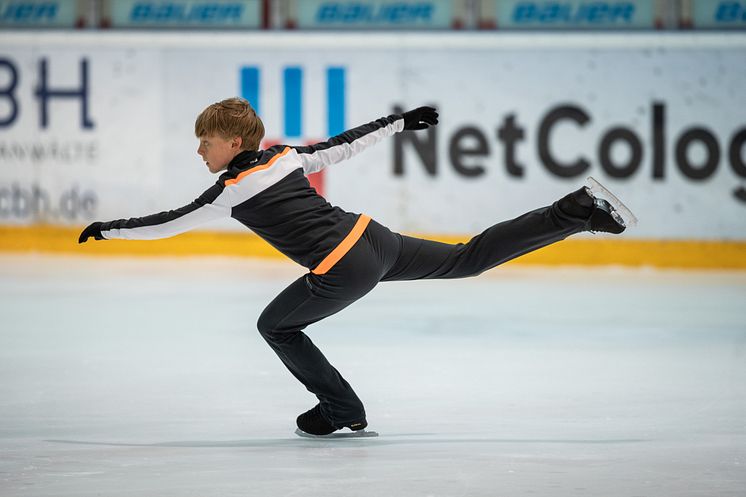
{"x":382,"y":255}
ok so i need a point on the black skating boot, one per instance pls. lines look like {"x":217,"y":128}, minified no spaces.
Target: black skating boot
{"x":314,"y":423}
{"x":605,"y":218}
{"x":601,"y":215}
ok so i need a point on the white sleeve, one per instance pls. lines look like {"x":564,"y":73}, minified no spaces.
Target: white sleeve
{"x":211,"y":205}
{"x":343,"y":146}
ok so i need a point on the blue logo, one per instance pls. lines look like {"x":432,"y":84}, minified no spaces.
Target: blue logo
{"x":184,"y":12}
{"x":31,"y":12}
{"x":192,"y":13}
{"x":35,"y":13}
{"x":292,"y":79}
{"x":367,"y":13}
{"x":375,"y":13}
{"x":730,"y":12}
{"x":720,"y":14}
{"x":580,"y":13}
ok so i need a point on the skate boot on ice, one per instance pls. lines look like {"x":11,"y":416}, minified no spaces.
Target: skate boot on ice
{"x":314,"y":425}
{"x":604,"y":211}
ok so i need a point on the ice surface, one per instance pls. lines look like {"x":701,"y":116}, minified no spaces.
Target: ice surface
{"x":146,"y":377}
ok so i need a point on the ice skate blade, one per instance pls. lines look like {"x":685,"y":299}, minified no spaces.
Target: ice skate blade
{"x":338,"y":435}
{"x":598,"y":189}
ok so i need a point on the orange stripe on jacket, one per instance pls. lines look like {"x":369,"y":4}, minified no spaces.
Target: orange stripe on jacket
{"x":344,"y":246}
{"x":257,"y":169}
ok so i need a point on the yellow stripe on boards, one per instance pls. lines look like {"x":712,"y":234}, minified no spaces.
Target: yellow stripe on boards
{"x":65,"y":240}
{"x":574,"y":251}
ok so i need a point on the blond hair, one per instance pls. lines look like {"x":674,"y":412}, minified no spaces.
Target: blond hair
{"x":231,"y":117}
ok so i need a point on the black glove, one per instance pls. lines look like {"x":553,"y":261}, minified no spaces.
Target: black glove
{"x":420,"y":118}
{"x":92,"y":230}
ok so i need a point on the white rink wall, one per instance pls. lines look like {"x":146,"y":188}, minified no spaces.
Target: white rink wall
{"x":100,"y":125}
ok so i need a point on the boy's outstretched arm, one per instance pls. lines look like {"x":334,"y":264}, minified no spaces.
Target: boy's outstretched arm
{"x":212,"y":204}
{"x":353,"y":141}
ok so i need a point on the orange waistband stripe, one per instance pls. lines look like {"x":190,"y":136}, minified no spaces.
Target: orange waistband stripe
{"x":257,"y":169}
{"x":344,"y":246}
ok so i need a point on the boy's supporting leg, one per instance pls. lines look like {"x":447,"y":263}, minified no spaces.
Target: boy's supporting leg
{"x":427,"y":259}
{"x":281,"y":323}
{"x":309,"y":299}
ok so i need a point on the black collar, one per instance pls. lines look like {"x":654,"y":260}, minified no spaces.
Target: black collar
{"x":245,"y":159}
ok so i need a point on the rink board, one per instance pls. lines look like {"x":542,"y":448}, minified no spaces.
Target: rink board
{"x":656,"y":117}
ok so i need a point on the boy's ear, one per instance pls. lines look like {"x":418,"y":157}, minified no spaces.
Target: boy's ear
{"x":237,"y":142}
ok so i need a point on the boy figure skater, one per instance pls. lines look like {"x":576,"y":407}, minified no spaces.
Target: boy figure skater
{"x":346,"y":254}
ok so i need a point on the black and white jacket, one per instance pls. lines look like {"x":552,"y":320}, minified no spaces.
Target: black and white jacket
{"x":267,"y":191}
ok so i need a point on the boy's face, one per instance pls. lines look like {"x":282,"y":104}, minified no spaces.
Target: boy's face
{"x":217,"y":152}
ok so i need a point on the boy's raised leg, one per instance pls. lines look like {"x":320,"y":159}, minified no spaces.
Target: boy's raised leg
{"x":575,"y":212}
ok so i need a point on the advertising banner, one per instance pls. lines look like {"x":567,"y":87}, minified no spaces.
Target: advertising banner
{"x":103,"y":127}
{"x":185,"y":14}
{"x":719,"y":14}
{"x":374,"y":14}
{"x":40,"y":14}
{"x":575,"y":14}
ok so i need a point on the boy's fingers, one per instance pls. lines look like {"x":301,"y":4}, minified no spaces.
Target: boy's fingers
{"x":92,"y":230}
{"x":430,"y":117}
{"x":430,"y":120}
{"x":420,"y":118}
